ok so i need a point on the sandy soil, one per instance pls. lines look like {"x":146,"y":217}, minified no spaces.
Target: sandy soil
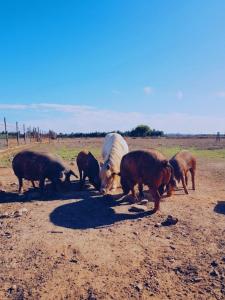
{"x":80,"y":245}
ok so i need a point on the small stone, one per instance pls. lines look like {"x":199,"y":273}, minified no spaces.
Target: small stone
{"x":74,"y":260}
{"x":8,"y":235}
{"x":4,"y":215}
{"x":158,"y":225}
{"x":168,"y":237}
{"x":136,"y":208}
{"x":214,"y":263}
{"x":143,"y":202}
{"x":139,"y":287}
{"x":170,"y":221}
{"x":135,"y":233}
{"x":172,"y":247}
{"x":20,"y":212}
{"x":214,"y":273}
{"x":197,"y":279}
{"x":17,"y":214}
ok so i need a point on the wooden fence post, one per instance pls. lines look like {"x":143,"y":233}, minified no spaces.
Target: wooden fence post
{"x":30,"y":133}
{"x":17,"y":133}
{"x":6,"y":134}
{"x":24,"y":134}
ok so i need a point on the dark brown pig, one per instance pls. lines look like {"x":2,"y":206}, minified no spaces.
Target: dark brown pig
{"x":88,"y":166}
{"x":183,"y":162}
{"x":146,"y":168}
{"x":35,"y":166}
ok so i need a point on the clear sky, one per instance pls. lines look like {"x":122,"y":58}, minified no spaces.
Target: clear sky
{"x":113,"y":64}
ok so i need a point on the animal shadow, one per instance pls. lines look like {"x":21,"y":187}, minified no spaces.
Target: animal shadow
{"x":220,"y":207}
{"x":91,"y":212}
{"x":71,"y":191}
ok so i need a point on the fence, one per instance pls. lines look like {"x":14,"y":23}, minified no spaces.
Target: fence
{"x":12,"y":135}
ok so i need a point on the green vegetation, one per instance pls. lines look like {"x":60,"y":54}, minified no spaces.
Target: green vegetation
{"x":139,"y":131}
{"x":70,"y":154}
{"x":143,"y":131}
{"x":5,"y":160}
{"x":203,"y":153}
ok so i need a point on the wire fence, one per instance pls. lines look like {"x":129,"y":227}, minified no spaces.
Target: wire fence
{"x":15,"y":134}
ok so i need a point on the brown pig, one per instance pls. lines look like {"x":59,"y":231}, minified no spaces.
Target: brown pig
{"x":88,"y":166}
{"x":146,"y":168}
{"x":32,"y":165}
{"x":183,"y":162}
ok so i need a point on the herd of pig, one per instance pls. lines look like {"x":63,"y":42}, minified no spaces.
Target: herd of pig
{"x":120,"y":168}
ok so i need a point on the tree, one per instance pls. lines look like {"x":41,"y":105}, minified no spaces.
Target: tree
{"x":52,"y":135}
{"x":141,"y":131}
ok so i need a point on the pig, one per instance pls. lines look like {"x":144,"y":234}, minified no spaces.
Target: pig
{"x":88,"y":166}
{"x":149,"y":168}
{"x":183,"y":162}
{"x":35,"y":166}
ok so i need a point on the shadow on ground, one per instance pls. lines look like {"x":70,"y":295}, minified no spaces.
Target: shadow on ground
{"x":220,"y":207}
{"x":72,"y":191}
{"x":91,"y":212}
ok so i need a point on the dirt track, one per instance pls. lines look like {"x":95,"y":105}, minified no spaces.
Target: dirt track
{"x":79,"y":245}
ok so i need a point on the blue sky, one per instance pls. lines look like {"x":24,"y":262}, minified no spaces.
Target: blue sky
{"x":104,"y":65}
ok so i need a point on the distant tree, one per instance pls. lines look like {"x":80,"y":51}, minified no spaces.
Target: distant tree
{"x":52,"y":135}
{"x":141,"y":131}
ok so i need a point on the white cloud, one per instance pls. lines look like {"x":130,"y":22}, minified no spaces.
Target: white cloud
{"x":148,"y":90}
{"x":78,"y":118}
{"x":180,"y":95}
{"x":220,"y":94}
{"x":13,"y":106}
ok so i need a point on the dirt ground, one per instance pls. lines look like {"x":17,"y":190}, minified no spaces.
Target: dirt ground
{"x":80,"y":245}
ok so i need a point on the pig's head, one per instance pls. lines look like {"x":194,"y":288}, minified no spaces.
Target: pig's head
{"x":107,"y":175}
{"x":171,"y":182}
{"x":177,"y":172}
{"x":67,"y":174}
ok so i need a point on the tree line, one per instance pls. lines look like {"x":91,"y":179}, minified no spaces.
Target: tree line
{"x":138,"y":131}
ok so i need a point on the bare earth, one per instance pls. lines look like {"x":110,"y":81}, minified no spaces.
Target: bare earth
{"x":79,"y":245}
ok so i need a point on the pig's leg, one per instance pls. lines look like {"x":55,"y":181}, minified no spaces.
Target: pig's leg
{"x":130,"y":186}
{"x":140,"y":188}
{"x":81,"y":177}
{"x":193,"y":178}
{"x":186,"y":179}
{"x":33,"y":184}
{"x":161,"y":189}
{"x":156,"y":197}
{"x":20,"y":179}
{"x":169,"y":190}
{"x":133,"y":194}
{"x":184,"y":185}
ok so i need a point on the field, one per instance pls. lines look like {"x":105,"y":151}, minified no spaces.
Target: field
{"x":80,"y":245}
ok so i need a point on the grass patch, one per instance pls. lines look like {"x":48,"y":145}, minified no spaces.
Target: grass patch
{"x":70,"y":154}
{"x":5,"y":160}
{"x":203,"y":153}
